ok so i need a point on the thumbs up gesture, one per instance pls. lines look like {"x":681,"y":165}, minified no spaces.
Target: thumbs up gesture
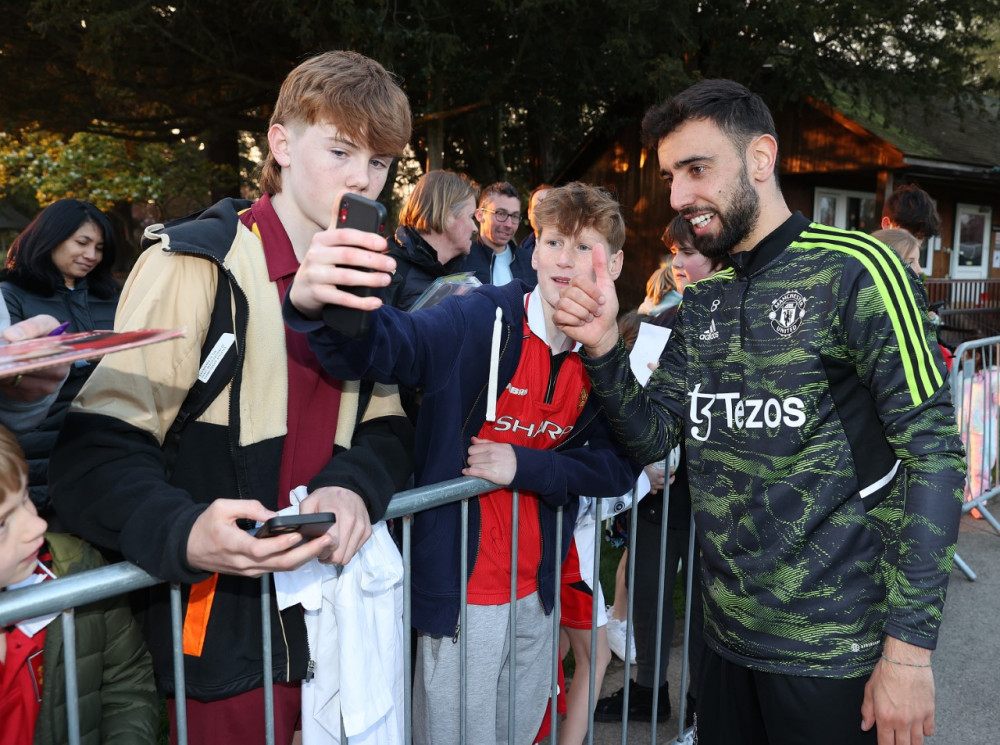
{"x":587,"y":310}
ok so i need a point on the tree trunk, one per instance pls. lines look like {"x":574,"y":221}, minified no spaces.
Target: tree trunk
{"x":222,"y":148}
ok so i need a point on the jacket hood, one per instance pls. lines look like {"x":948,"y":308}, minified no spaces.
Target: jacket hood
{"x":207,"y":232}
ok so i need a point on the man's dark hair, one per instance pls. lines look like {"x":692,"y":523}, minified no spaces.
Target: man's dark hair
{"x":500,"y":188}
{"x":912,"y":209}
{"x":736,"y":110}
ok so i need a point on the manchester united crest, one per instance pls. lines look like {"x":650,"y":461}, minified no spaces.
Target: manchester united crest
{"x":787,"y":313}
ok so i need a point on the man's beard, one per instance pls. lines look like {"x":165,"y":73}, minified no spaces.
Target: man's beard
{"x":737,"y":222}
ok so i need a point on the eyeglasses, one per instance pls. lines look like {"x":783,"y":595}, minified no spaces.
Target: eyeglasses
{"x":504,"y":215}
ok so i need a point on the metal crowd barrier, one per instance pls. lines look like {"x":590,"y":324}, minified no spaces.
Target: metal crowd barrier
{"x":63,"y":594}
{"x":975,"y":391}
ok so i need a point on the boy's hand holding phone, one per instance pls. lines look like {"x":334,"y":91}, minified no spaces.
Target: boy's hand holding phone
{"x":340,"y":258}
{"x":353,"y":526}
{"x":217,"y":544}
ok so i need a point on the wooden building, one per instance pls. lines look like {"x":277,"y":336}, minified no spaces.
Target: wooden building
{"x":837,"y":165}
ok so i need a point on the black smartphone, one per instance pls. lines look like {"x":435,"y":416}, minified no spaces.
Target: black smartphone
{"x":359,"y":213}
{"x":308,"y":526}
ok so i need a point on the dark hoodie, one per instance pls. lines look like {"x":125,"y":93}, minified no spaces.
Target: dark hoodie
{"x":417,"y":266}
{"x":446,"y":350}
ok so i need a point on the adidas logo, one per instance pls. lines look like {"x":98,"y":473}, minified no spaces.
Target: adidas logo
{"x":710,"y":334}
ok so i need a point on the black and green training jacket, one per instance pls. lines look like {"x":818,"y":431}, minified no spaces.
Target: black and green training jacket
{"x":825,"y":467}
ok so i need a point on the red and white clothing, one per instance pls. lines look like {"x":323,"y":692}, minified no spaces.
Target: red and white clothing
{"x":538,"y":409}
{"x":21,"y":678}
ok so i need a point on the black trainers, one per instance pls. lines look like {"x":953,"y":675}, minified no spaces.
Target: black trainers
{"x":640,"y":705}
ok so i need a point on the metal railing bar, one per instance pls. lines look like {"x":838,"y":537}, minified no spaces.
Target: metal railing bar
{"x":463,"y":619}
{"x":512,"y":631}
{"x":407,"y":522}
{"x":180,"y":689}
{"x":630,"y":570}
{"x":265,"y":624}
{"x":661,"y":592}
{"x":591,"y":693}
{"x":72,"y":688}
{"x":556,"y":616}
{"x":59,"y":594}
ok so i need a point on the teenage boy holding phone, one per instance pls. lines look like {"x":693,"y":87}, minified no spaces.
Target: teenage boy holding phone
{"x":505,"y":399}
{"x":282,"y":421}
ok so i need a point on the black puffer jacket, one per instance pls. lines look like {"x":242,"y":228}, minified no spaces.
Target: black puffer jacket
{"x":417,"y":266}
{"x":85,"y":312}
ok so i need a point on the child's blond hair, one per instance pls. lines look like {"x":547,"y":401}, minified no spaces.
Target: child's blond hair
{"x":576,"y":206}
{"x":13,"y":467}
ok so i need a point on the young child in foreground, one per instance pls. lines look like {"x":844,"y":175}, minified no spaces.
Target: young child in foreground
{"x":496,"y":373}
{"x":117,"y":698}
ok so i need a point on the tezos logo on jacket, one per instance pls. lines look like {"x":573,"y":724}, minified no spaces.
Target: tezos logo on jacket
{"x":787,"y":313}
{"x":747,"y":413}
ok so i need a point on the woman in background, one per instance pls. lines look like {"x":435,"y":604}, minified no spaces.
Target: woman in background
{"x":60,"y":265}
{"x":905,"y":244}
{"x":436,"y":230}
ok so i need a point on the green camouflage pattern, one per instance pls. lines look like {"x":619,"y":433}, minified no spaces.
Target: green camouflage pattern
{"x":825,"y":466}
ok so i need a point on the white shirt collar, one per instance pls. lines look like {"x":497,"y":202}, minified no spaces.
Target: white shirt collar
{"x":536,"y":318}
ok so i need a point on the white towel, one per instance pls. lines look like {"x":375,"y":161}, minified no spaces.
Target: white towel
{"x":354,"y":619}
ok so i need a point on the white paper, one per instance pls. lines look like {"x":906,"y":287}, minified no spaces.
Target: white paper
{"x":649,"y":345}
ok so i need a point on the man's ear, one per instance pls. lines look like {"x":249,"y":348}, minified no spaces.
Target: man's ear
{"x":886,"y":223}
{"x":277,"y":140}
{"x":615,"y":262}
{"x":763,"y":157}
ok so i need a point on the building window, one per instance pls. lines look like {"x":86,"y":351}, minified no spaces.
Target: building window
{"x":972,"y":227}
{"x":853,"y":210}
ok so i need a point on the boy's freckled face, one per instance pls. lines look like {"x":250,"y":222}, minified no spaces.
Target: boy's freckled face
{"x":317,"y":163}
{"x":559,"y":258}
{"x":21,"y":532}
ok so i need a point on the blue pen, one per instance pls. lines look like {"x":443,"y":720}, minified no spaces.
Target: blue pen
{"x":58,"y":330}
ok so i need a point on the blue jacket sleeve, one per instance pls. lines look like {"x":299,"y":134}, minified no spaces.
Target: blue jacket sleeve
{"x":598,"y":468}
{"x":399,"y":347}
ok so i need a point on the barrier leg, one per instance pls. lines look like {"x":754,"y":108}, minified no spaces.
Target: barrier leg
{"x":966,"y":569}
{"x":72,"y":690}
{"x":265,"y":617}
{"x":180,"y":694}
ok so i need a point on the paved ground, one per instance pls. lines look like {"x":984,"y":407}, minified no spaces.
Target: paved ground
{"x":966,"y":663}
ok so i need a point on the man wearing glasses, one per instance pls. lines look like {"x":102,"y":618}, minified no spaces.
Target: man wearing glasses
{"x":495,"y":257}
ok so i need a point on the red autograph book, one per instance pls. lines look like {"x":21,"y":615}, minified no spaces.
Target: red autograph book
{"x":21,"y":357}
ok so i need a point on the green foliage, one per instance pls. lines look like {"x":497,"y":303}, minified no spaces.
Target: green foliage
{"x":102,"y":170}
{"x":499,"y":88}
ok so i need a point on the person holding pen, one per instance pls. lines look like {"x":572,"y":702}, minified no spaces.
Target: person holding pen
{"x":60,"y":266}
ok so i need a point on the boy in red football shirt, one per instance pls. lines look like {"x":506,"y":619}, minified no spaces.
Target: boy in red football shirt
{"x":495,"y":372}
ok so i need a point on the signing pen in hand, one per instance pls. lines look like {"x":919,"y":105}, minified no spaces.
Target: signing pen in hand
{"x":59,"y":330}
